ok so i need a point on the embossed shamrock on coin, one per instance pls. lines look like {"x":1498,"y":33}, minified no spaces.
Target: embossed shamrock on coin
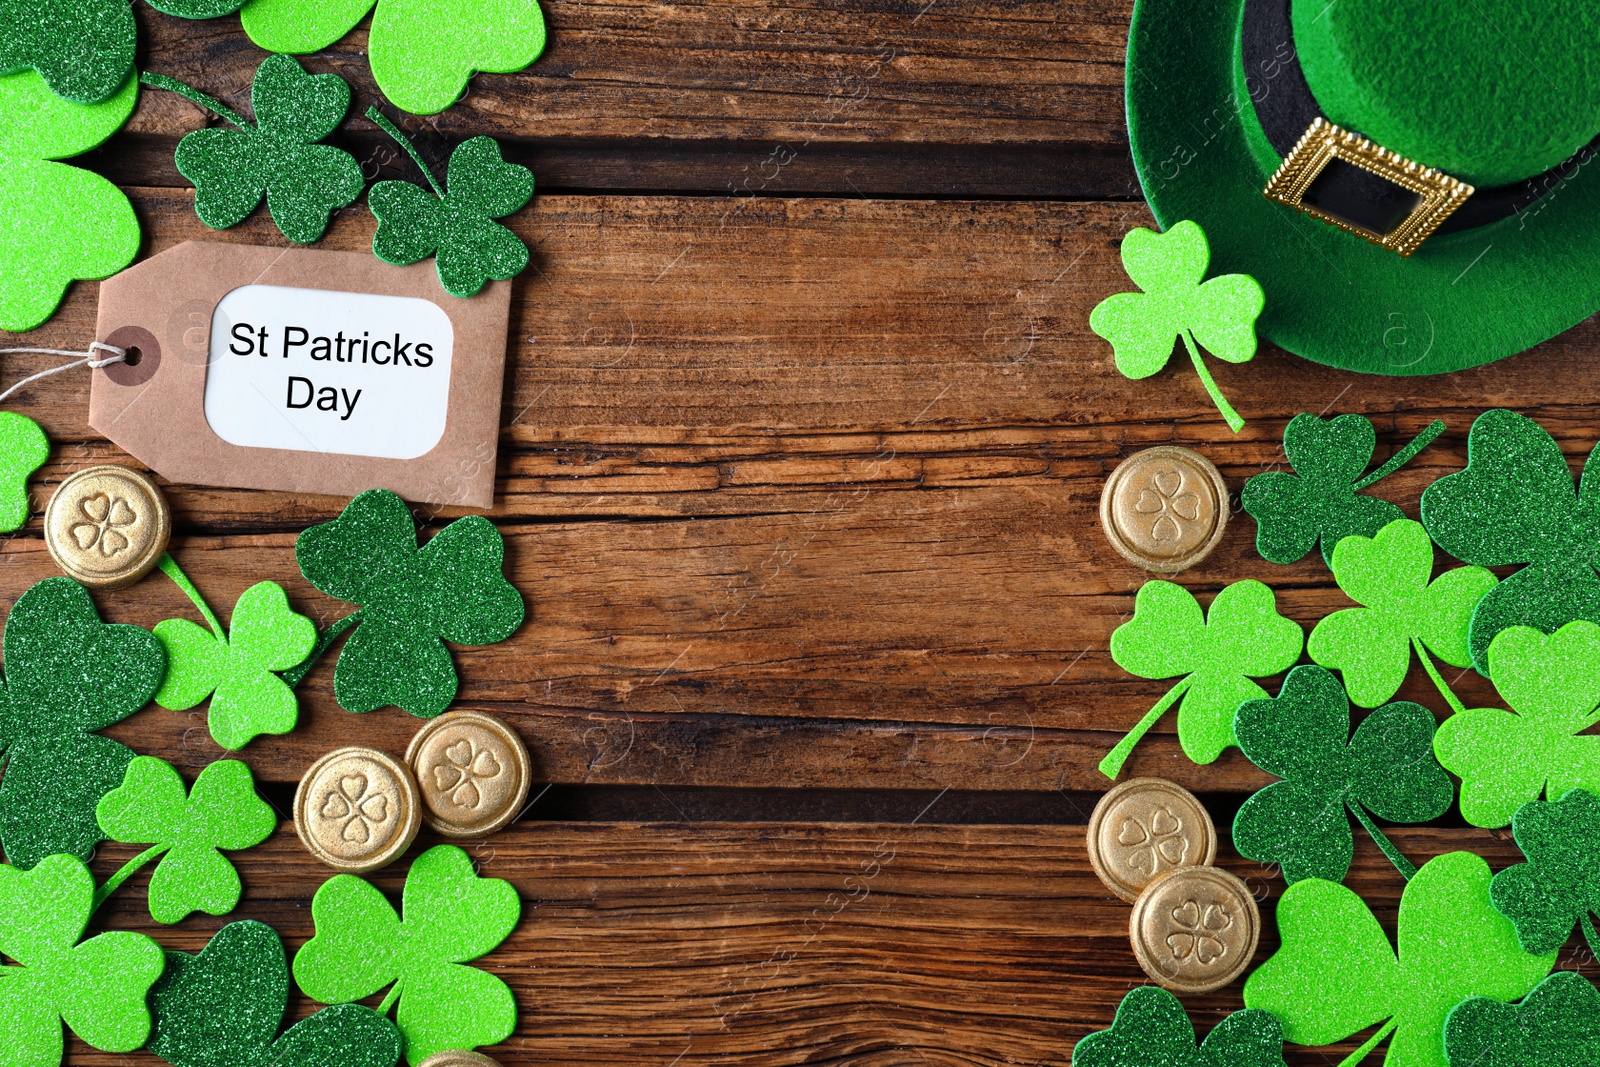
{"x":356,"y":809}
{"x":473,"y":773}
{"x":1144,"y":828}
{"x":1195,"y":929}
{"x":1165,"y":508}
{"x":107,"y":526}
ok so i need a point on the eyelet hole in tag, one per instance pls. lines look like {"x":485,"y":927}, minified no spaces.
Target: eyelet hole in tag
{"x":143,"y":360}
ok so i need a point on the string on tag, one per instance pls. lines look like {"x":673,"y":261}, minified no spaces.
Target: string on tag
{"x":84,"y":359}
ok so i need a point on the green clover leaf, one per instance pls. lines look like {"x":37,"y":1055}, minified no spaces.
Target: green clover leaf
{"x":1514,"y":503}
{"x":83,"y":49}
{"x":451,"y":917}
{"x":1336,"y":973}
{"x":224,"y":1006}
{"x":279,"y":157}
{"x":1244,"y":637}
{"x":61,"y":223}
{"x":66,"y":674}
{"x":1323,"y":499}
{"x":1559,"y":886}
{"x":236,"y":671}
{"x":1303,"y":736}
{"x":1151,"y":1027}
{"x":422,"y":51}
{"x":222,"y":812}
{"x":1143,"y":327}
{"x":1507,"y":758}
{"x":97,"y":987}
{"x":456,"y":227}
{"x":1371,"y":645}
{"x":23,"y":450}
{"x":1557,"y":1025}
{"x":412,"y":600}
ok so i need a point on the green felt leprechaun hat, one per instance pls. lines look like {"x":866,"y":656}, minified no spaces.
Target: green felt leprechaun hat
{"x":1409,"y":181}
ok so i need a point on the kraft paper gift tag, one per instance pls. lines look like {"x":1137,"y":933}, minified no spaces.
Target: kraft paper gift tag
{"x":303,"y":370}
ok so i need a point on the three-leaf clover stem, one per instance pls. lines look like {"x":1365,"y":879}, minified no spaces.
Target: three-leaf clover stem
{"x":1361,"y":1053}
{"x":1404,"y":456}
{"x":400,"y":138}
{"x":1111,"y":766}
{"x":325,"y":640}
{"x":1235,"y":421}
{"x":216,"y":107}
{"x":1407,"y":869}
{"x":1438,"y":682}
{"x":103,"y":893}
{"x":170,"y":568}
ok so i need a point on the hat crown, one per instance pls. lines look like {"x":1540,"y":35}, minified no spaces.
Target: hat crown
{"x":1491,"y":92}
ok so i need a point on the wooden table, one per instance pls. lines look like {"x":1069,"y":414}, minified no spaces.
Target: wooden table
{"x":803,"y":437}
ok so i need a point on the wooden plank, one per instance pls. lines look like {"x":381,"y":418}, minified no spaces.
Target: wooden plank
{"x":785,"y":944}
{"x":993,"y":98}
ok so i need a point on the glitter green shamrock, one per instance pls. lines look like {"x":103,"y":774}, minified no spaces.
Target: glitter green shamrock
{"x":97,"y":987}
{"x":278,"y":157}
{"x":422,"y":51}
{"x":236,"y":669}
{"x":66,"y":674}
{"x":23,"y":450}
{"x":1243,"y":637}
{"x":60,"y":222}
{"x":1336,"y":973}
{"x":1557,"y":1025}
{"x":451,"y":917}
{"x":186,"y":830}
{"x":1323,"y":499}
{"x":1514,"y":504}
{"x":1303,"y":736}
{"x":1143,"y":327}
{"x":1559,"y":886}
{"x":1372,"y":645}
{"x":1151,"y":1027}
{"x":1507,"y":758}
{"x":224,"y":1006}
{"x":456,"y":227}
{"x":83,"y":49}
{"x":412,"y":600}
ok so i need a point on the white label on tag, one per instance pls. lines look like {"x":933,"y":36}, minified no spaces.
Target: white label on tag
{"x":317,"y":371}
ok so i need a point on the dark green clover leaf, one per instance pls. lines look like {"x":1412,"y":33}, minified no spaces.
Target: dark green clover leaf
{"x":187,"y":829}
{"x":1559,"y":886}
{"x":1219,"y":314}
{"x":1152,"y":1028}
{"x":66,"y":674}
{"x":1514,"y":503}
{"x":1388,"y":574}
{"x":412,"y":600}
{"x":1557,"y":1025}
{"x":451,"y":916}
{"x":1322,"y":500}
{"x":96,"y":986}
{"x":1303,"y":736}
{"x":457,"y":226}
{"x":82,"y":48}
{"x":278,"y":157}
{"x":224,"y":1007}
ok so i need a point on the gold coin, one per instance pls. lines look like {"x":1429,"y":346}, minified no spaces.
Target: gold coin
{"x":107,"y":526}
{"x":1194,"y":929}
{"x":356,"y":809}
{"x":473,"y":772}
{"x":1144,"y":828}
{"x":456,"y":1057}
{"x":1165,"y":508}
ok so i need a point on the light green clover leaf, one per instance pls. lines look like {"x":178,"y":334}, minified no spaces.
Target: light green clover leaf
{"x":221,"y":812}
{"x":23,"y":450}
{"x":1336,"y":973}
{"x":1371,"y":646}
{"x":60,"y":223}
{"x":97,"y":987}
{"x":1507,"y":758}
{"x":1243,"y":637}
{"x":1219,"y":314}
{"x":422,"y":51}
{"x":451,"y":917}
{"x":236,"y":671}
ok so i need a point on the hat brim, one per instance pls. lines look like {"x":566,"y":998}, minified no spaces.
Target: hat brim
{"x":1461,"y":300}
